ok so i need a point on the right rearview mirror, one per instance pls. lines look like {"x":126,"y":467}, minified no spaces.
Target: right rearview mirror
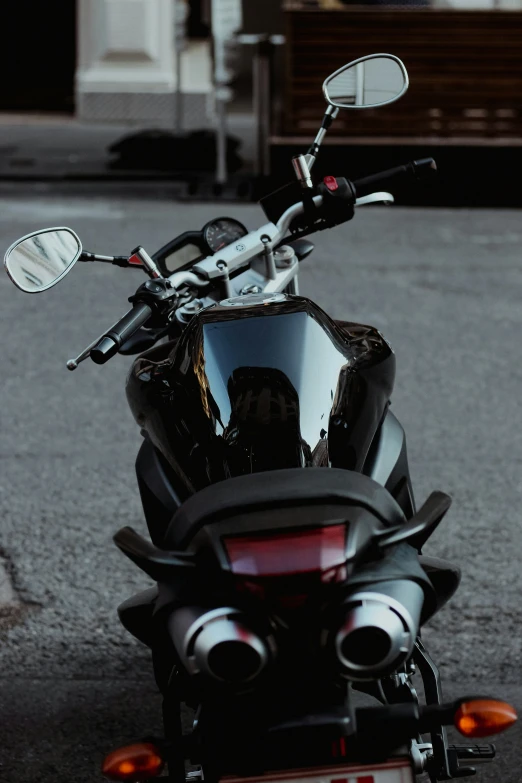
{"x":39,"y":260}
{"x":371,"y":81}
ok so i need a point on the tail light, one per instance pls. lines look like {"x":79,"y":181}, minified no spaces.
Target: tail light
{"x":320,"y":550}
{"x":484,"y":717}
{"x":133,"y":763}
{"x":288,"y":565}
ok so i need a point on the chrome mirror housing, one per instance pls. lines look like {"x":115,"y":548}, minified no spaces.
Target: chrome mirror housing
{"x":371,"y":81}
{"x":40,"y":260}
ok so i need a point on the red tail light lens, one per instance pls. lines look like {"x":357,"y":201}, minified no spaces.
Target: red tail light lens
{"x":311,"y":550}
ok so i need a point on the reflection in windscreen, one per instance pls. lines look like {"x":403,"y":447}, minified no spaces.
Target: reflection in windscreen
{"x":40,"y":260}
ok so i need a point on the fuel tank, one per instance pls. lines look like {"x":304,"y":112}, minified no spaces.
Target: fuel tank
{"x":261,"y":382}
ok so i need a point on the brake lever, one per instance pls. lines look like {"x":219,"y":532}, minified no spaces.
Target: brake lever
{"x":373,"y":198}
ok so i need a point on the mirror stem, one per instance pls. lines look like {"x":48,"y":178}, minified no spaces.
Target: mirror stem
{"x":329,"y":116}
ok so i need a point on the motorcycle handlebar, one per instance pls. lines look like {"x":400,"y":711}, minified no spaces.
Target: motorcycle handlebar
{"x":111,"y":342}
{"x":416,"y":168}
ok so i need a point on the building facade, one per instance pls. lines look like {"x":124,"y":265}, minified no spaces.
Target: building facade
{"x":127,"y":69}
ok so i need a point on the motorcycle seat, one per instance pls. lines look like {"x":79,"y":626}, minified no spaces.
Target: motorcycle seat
{"x":307,"y":490}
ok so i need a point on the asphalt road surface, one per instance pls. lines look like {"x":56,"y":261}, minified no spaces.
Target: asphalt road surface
{"x":446,"y":289}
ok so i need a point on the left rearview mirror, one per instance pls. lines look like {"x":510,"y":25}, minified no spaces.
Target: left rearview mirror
{"x":39,"y":260}
{"x":371,"y":81}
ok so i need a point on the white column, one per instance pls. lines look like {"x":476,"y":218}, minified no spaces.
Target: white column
{"x":125,"y":61}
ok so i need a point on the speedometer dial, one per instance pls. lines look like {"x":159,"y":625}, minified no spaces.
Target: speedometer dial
{"x":222,"y":232}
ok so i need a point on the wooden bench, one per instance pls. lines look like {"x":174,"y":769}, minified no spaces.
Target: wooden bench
{"x":465,"y":71}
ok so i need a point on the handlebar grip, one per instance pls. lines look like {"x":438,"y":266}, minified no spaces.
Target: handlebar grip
{"x":111,"y":342}
{"x":416,"y":168}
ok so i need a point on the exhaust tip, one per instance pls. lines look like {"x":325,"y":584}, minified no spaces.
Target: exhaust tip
{"x":219,"y":644}
{"x":376,"y":637}
{"x":234,"y":661}
{"x":369,"y":645}
{"x":230,"y":652}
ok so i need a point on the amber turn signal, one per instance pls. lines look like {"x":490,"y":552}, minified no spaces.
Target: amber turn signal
{"x":133,"y":763}
{"x":484,"y":717}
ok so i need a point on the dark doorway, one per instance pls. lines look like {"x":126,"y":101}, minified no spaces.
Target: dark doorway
{"x":198,"y":20}
{"x":38,"y":56}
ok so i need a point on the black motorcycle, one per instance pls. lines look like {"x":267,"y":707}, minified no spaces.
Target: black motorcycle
{"x":286,"y":545}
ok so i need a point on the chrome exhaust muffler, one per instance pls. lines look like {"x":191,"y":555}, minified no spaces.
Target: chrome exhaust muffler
{"x":220,"y":644}
{"x":379,"y":630}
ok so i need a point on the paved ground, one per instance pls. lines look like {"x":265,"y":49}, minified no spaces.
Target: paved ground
{"x":46,"y":147}
{"x":445,"y":287}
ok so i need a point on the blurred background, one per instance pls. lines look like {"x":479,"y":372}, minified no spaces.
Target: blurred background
{"x":199,"y":92}
{"x":132,"y":121}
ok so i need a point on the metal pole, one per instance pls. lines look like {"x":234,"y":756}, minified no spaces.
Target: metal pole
{"x":226,"y":19}
{"x":261,"y":102}
{"x":221,"y":137}
{"x":257,"y":106}
{"x":261,"y":72}
{"x":180,"y":13}
{"x":179,"y":96}
{"x":264,"y":86}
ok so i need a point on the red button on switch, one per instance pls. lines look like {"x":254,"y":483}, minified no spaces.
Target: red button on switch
{"x":331,"y":183}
